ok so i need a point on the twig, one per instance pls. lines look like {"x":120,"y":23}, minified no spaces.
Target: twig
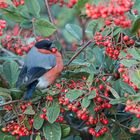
{"x":75,"y":55}
{"x":50,"y":16}
{"x":12,"y":102}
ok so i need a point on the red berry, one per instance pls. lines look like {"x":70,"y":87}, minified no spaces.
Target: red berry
{"x":54,"y":50}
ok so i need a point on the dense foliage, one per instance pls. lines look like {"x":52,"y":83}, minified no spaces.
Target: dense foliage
{"x":97,"y":95}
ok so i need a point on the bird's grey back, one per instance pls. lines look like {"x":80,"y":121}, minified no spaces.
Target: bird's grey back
{"x":37,"y":59}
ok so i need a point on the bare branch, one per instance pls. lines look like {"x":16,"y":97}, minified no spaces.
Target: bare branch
{"x":75,"y":55}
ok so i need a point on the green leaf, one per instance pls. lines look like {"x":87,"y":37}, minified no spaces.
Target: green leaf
{"x":129,"y":63}
{"x":85,"y":102}
{"x":135,"y":53}
{"x":6,"y":95}
{"x":135,"y":122}
{"x":81,"y":4}
{"x":118,"y":101}
{"x":134,"y":77}
{"x":126,"y":87}
{"x":53,"y":112}
{"x":33,"y":7}
{"x":44,"y":27}
{"x":9,"y":138}
{"x":38,"y":137}
{"x":65,"y":130}
{"x":38,"y":122}
{"x":92,"y":94}
{"x":114,"y":93}
{"x":92,"y":27}
{"x":90,"y":79}
{"x":74,"y":30}
{"x":27,"y":124}
{"x":116,"y":31}
{"x":52,"y":131}
{"x":29,"y":111}
{"x":58,"y":45}
{"x":98,"y":54}
{"x":136,"y":25}
{"x":13,"y":15}
{"x":11,"y":72}
{"x":74,"y":94}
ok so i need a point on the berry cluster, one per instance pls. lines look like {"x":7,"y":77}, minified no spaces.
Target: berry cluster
{"x":17,"y":129}
{"x":113,"y":11}
{"x":16,"y":45}
{"x":112,"y":49}
{"x":124,"y":74}
{"x":18,"y":2}
{"x":15,"y":2}
{"x":101,"y":132}
{"x":2,"y":26}
{"x":133,"y":108}
{"x":62,"y":3}
{"x":3,"y":5}
{"x":99,"y":104}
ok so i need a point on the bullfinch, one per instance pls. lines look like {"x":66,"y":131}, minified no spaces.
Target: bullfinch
{"x":42,"y":65}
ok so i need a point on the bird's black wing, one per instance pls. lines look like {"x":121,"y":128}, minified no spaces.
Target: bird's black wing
{"x":28,"y":76}
{"x":21,"y":76}
{"x":33,"y":74}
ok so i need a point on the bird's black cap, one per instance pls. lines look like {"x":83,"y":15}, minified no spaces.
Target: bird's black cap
{"x":44,"y":44}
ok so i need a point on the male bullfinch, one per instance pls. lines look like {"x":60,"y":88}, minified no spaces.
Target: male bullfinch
{"x":42,"y":66}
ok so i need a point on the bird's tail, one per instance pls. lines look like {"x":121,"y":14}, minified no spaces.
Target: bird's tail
{"x":30,"y":90}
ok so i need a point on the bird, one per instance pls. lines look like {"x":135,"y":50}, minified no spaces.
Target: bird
{"x":42,"y":66}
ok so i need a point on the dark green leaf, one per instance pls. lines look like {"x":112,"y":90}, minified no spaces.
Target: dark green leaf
{"x":85,"y":102}
{"x":38,"y":122}
{"x":135,"y":122}
{"x":44,"y":27}
{"x":11,"y":72}
{"x":9,"y":138}
{"x":93,"y":26}
{"x":27,"y":24}
{"x":98,"y":54}
{"x":13,"y":15}
{"x":65,"y":130}
{"x":53,"y":112}
{"x":27,"y":124}
{"x":33,"y":7}
{"x":74,"y":94}
{"x":126,"y":87}
{"x":29,"y":111}
{"x":80,"y":4}
{"x":92,"y":94}
{"x":58,"y":45}
{"x":135,"y":78}
{"x":74,"y":30}
{"x":118,"y":101}
{"x":116,"y":31}
{"x":129,"y":63}
{"x":90,"y":79}
{"x":114,"y":93}
{"x":136,"y":25}
{"x":135,"y":53}
{"x":52,"y":131}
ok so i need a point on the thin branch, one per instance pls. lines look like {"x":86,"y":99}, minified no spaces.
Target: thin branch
{"x":75,"y":55}
{"x":11,"y":54}
{"x":11,"y":102}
